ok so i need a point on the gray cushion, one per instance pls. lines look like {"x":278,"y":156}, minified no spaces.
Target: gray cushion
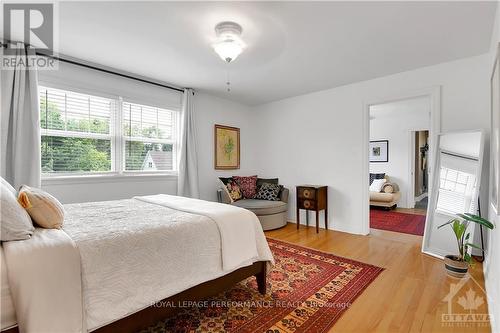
{"x":262,"y":207}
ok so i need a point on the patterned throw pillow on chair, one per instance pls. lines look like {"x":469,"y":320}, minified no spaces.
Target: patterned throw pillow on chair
{"x":269,"y":192}
{"x":248,"y":186}
{"x":232,"y":189}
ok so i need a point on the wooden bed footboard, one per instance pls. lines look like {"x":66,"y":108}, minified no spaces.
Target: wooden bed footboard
{"x":168,"y":306}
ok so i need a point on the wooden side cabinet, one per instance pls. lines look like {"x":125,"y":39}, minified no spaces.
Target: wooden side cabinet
{"x":315,"y":198}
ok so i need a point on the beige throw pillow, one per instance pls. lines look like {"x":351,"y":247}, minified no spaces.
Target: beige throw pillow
{"x":44,"y":209}
{"x":388,"y":188}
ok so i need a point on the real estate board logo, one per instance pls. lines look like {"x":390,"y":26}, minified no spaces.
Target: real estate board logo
{"x":466,"y":305}
{"x":32,"y":24}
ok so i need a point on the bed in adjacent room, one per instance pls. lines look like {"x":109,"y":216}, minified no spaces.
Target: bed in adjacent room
{"x":113,"y":261}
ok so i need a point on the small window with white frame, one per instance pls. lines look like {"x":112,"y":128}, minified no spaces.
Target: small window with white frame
{"x":456,"y":190}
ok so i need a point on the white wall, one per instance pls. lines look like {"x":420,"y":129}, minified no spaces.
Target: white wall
{"x":108,"y":188}
{"x":492,"y":263}
{"x":318,"y":137}
{"x":212,"y":110}
{"x":395,"y":122}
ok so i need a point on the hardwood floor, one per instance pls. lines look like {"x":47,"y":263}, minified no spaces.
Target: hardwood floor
{"x":408,"y":295}
{"x":411,"y":211}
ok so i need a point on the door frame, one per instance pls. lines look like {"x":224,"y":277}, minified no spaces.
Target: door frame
{"x":411,"y":199}
{"x":434,"y":94}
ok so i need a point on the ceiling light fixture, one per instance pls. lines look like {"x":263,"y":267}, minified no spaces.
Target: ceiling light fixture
{"x":229,"y":44}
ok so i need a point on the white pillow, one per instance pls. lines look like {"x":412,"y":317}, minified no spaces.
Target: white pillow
{"x":15,"y":223}
{"x":9,"y":187}
{"x":377,"y":185}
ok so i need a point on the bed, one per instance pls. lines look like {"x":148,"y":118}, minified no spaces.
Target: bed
{"x":123,"y":265}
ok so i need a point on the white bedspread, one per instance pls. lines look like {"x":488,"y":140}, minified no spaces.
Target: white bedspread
{"x":135,"y":253}
{"x":236,"y":226}
{"x":45,"y":282}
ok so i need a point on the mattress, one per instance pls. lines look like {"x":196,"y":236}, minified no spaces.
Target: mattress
{"x":8,"y":314}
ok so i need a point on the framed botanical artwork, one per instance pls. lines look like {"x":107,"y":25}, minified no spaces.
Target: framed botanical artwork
{"x":495,"y":135}
{"x":227,"y":147}
{"x":379,"y":151}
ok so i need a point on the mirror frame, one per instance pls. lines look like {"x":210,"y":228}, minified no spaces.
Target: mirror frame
{"x":426,"y":248}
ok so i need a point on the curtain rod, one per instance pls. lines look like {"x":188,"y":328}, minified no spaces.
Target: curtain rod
{"x":4,"y":43}
{"x":73,"y":62}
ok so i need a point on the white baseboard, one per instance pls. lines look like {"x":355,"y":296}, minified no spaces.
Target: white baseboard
{"x":340,"y":228}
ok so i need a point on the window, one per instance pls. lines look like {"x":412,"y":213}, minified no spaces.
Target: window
{"x":80,"y":135}
{"x":148,"y":134}
{"x":456,"y":190}
{"x":75,"y":131}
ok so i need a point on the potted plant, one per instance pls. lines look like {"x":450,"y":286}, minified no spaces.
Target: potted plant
{"x":457,"y":266}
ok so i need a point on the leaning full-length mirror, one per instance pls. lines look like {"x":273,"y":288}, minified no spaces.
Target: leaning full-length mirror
{"x":456,"y":181}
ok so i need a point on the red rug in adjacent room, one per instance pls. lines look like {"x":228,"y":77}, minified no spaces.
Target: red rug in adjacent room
{"x":308,"y":291}
{"x":399,"y":222}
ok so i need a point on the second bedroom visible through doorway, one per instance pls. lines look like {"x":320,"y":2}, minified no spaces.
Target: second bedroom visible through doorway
{"x":399,"y":150}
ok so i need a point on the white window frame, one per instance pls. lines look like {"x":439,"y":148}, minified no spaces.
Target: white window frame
{"x":122,"y":139}
{"x":117,"y":139}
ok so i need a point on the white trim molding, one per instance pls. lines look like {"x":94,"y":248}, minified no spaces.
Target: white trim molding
{"x":434,"y":93}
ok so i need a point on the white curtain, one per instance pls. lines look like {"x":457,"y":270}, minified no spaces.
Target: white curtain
{"x":20,"y":120}
{"x":187,"y":181}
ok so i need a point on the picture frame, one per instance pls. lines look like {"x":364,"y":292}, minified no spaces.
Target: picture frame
{"x":379,"y":151}
{"x":495,"y":134}
{"x":226,"y":147}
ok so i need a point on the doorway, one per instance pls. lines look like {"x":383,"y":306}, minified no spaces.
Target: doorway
{"x":420,"y":169}
{"x":407,"y":124}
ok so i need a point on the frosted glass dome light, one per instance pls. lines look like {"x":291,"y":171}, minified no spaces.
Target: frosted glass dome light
{"x":229,"y":44}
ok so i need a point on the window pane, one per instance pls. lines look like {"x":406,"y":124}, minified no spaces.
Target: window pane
{"x":463,"y":178}
{"x":60,"y":154}
{"x":65,"y":110}
{"x":147,"y":122}
{"x":148,"y":156}
{"x":52,"y":106}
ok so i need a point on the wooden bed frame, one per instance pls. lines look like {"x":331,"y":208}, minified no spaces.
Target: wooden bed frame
{"x":168,"y":306}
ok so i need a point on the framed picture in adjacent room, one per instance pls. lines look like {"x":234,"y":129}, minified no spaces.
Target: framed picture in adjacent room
{"x":495,"y":135}
{"x":227,"y":147}
{"x":379,"y":151}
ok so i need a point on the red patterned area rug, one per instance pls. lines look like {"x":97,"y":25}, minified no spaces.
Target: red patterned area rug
{"x":308,"y":291}
{"x":399,"y":222}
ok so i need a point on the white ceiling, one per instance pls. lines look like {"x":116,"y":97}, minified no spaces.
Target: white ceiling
{"x":293,"y":47}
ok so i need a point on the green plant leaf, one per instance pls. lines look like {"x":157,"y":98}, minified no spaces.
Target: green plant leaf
{"x":476,"y":219}
{"x":449,"y":222}
{"x":467,"y":258}
{"x":474,"y":246}
{"x":458,"y":229}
